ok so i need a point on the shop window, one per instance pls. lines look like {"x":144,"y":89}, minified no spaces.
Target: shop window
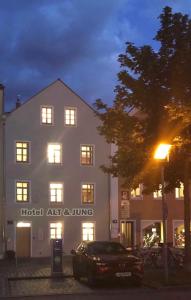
{"x":179,"y":234}
{"x":151,"y":233}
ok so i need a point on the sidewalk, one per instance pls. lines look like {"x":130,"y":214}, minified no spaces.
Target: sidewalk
{"x":33,"y":277}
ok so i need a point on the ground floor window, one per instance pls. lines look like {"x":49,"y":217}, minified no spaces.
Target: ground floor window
{"x":55,"y":230}
{"x":88,"y":231}
{"x":179,"y":234}
{"x":151,"y":233}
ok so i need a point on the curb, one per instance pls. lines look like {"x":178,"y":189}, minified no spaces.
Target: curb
{"x":38,"y":277}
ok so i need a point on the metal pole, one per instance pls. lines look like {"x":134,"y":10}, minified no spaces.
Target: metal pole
{"x":164,"y":217}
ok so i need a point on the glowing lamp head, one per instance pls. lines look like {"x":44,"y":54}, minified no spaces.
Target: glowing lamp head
{"x":162,"y":151}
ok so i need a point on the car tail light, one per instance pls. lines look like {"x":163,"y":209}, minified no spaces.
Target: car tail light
{"x":102,"y":267}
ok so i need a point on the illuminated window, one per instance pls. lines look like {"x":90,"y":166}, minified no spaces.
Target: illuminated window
{"x":47,"y":115}
{"x":179,"y":192}
{"x":56,"y":192}
{"x":88,"y":231}
{"x":54,"y":153}
{"x":55,"y":230}
{"x":158,"y":194}
{"x":22,"y":191}
{"x":137,"y":192}
{"x":87,"y":191}
{"x":22,"y":152}
{"x":23,"y":224}
{"x":70,"y":116}
{"x":86,"y":156}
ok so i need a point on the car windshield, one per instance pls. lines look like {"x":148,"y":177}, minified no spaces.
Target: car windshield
{"x":106,"y":248}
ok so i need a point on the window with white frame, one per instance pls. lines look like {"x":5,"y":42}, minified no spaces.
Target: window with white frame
{"x":56,"y":230}
{"x":87,"y":192}
{"x":88,"y":231}
{"x":179,"y":191}
{"x":137,"y":192}
{"x":70,"y":116}
{"x":54,"y":154}
{"x":22,"y":152}
{"x":56,"y":192}
{"x":47,"y":115}
{"x":158,"y":194}
{"x":86,"y":154}
{"x":22,"y":191}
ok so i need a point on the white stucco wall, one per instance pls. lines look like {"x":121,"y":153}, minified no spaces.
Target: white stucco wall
{"x":24,"y":124}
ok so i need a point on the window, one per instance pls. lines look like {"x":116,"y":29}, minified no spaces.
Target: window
{"x":22,"y":152}
{"x":158,"y":194}
{"x":87,"y":191}
{"x":70,"y":116}
{"x":47,"y":115}
{"x":55,"y":230}
{"x":137,"y":192}
{"x":88,"y":231}
{"x":54,"y":153}
{"x":86,"y":157}
{"x":152,"y":233}
{"x":22,"y":191}
{"x":56,"y":192}
{"x":179,"y":192}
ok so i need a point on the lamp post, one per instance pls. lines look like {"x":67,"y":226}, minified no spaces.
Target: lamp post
{"x":162,"y":153}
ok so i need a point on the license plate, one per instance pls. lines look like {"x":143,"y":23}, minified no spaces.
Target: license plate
{"x":123,"y":274}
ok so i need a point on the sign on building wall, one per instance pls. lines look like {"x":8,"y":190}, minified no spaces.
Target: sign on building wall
{"x":125,"y":205}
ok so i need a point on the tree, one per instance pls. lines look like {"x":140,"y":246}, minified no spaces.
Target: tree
{"x":156,"y":86}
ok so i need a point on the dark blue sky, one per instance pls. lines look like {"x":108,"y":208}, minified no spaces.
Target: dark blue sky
{"x":75,"y":40}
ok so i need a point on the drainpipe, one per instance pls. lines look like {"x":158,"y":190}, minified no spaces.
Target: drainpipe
{"x":2,"y":172}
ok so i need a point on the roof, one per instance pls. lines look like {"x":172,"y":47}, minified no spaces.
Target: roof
{"x":59,"y":80}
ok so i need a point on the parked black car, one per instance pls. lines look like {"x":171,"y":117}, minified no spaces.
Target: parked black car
{"x":106,"y":260}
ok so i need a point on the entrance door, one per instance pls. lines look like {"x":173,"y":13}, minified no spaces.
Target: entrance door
{"x":23,"y":241}
{"x":127,"y":233}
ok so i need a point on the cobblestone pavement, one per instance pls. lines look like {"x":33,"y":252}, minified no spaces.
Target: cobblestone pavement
{"x":33,"y":277}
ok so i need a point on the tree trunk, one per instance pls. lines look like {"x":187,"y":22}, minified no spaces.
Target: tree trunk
{"x":187,"y":250}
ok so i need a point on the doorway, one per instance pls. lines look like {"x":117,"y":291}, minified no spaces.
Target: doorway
{"x":127,"y":233}
{"x":23,"y":240}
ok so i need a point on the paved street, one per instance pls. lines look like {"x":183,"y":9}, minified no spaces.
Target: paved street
{"x":33,"y":278}
{"x":131,"y":294}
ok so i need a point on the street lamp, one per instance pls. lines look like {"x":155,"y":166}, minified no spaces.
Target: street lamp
{"x":162,"y":153}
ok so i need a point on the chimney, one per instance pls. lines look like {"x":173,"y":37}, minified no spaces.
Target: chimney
{"x":18,"y":103}
{"x":1,"y":99}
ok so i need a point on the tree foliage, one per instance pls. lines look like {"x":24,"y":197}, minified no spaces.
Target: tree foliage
{"x":152,"y":104}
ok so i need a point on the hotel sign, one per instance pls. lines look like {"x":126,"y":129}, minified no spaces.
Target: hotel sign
{"x":55,"y":212}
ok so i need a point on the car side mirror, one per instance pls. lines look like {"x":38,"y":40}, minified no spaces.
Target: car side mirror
{"x":73,"y":252}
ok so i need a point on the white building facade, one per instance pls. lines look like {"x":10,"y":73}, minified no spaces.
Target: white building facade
{"x":54,"y":185}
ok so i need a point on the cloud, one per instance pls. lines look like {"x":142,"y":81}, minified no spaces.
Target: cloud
{"x":75,"y":40}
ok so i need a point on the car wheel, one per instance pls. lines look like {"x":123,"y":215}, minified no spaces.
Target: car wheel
{"x":76,"y":273}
